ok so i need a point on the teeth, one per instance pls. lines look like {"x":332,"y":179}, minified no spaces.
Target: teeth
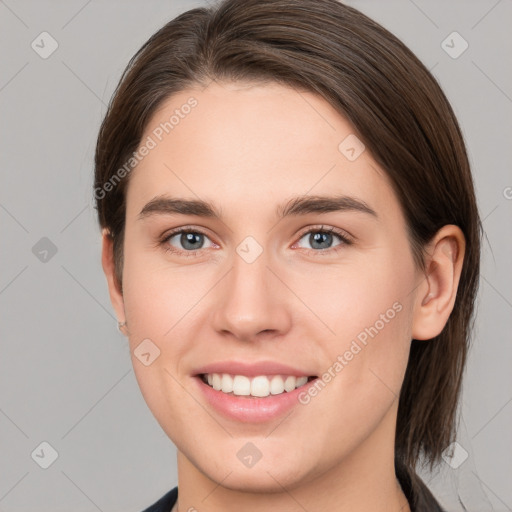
{"x":217,"y":382}
{"x":276,"y":385}
{"x":289,"y":383}
{"x":259,"y":386}
{"x":226,"y":383}
{"x":241,"y":385}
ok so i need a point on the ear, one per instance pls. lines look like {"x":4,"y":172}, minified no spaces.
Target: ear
{"x":436,"y":294}
{"x":107,"y":261}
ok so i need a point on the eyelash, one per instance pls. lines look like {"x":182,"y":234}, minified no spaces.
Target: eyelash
{"x":345,"y":238}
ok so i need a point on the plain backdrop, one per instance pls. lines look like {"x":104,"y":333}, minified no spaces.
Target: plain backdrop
{"x":66,"y":378}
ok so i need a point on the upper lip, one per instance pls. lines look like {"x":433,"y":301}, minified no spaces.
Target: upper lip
{"x":252,"y":369}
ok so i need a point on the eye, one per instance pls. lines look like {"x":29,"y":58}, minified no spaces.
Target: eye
{"x":321,"y":239}
{"x":186,"y":241}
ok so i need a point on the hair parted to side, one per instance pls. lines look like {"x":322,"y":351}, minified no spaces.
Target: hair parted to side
{"x":399,"y":112}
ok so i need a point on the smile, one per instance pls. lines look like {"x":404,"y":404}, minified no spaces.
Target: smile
{"x":259,"y":386}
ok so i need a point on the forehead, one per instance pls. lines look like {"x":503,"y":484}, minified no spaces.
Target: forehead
{"x":250,"y":145}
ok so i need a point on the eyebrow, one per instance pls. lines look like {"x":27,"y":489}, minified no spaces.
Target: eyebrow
{"x":300,"y":205}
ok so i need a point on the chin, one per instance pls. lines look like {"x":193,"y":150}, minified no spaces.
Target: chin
{"x":266,"y":477}
{"x":260,"y":481}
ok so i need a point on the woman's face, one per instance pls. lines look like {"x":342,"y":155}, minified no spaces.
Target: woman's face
{"x":256,"y":287}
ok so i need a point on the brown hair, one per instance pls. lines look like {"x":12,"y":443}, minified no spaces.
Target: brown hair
{"x":399,"y":112}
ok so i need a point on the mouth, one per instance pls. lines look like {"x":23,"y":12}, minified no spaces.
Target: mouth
{"x":259,"y":386}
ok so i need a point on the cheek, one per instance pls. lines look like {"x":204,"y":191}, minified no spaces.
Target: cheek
{"x":158,"y":304}
{"x":157,"y":295}
{"x":370,"y":313}
{"x":365,"y":373}
{"x":159,"y":308}
{"x":364,"y":298}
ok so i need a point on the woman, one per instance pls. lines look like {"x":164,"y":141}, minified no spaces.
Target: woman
{"x":291,"y":243}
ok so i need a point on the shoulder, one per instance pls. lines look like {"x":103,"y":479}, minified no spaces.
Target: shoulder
{"x":165,"y":503}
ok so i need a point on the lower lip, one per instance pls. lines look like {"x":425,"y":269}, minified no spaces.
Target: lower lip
{"x":250,"y":409}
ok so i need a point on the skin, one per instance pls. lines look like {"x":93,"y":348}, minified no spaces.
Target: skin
{"x":248,"y":148}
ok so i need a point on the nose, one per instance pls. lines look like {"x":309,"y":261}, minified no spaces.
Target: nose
{"x":252,"y":301}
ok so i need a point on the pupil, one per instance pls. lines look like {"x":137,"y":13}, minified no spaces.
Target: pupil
{"x":323,"y":239}
{"x":191,"y":238}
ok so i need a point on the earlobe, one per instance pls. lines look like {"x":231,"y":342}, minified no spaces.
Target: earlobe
{"x":107,"y":261}
{"x":436,"y":297}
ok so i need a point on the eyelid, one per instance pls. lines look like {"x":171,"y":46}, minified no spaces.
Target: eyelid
{"x":344,"y":235}
{"x":182,"y":229}
{"x":164,"y":239}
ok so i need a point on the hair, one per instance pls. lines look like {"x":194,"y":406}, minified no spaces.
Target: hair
{"x":400,"y":113}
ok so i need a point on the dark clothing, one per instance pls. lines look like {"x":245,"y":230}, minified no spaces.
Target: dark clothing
{"x":417,"y":493}
{"x":165,"y":503}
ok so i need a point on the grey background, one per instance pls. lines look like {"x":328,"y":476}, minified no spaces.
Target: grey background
{"x":65,"y":371}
